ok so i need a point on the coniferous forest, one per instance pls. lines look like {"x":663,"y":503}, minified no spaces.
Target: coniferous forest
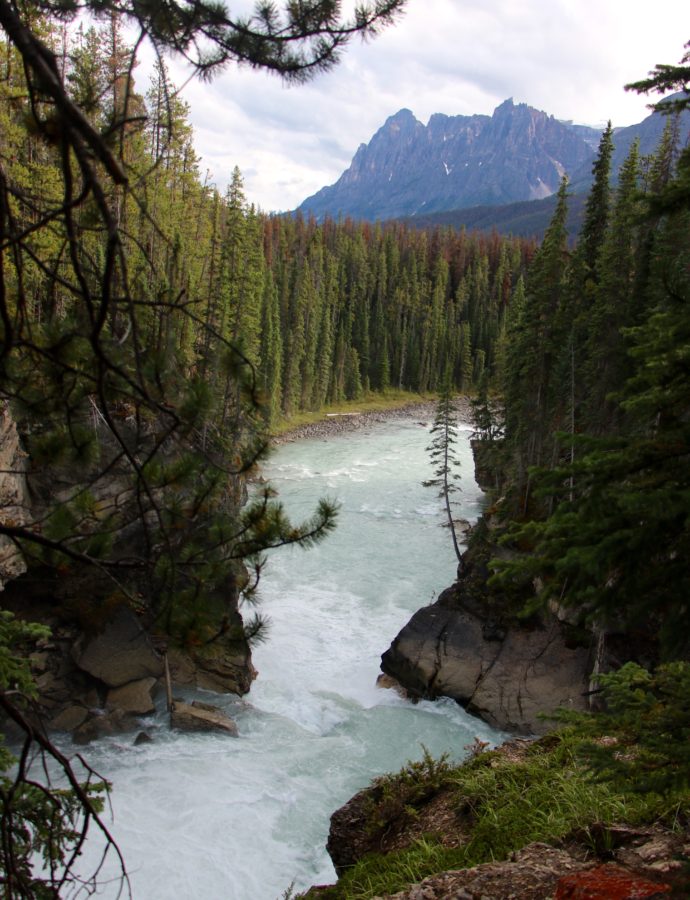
{"x":155,"y":330}
{"x":596,"y":442}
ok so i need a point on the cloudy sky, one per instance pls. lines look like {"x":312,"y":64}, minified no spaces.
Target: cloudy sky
{"x":570,"y":58}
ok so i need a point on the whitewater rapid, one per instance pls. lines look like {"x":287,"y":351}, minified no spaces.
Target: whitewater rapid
{"x":206,"y":817}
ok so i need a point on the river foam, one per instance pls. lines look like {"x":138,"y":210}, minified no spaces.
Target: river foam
{"x":207,"y":817}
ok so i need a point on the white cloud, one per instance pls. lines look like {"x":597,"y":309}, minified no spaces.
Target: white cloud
{"x":568,"y":57}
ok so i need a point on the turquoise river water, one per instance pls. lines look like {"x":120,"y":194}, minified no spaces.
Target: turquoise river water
{"x":205,"y":817}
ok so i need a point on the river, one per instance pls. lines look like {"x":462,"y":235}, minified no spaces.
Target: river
{"x":206,"y":817}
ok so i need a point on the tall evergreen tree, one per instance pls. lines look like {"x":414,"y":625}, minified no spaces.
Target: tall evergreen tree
{"x":443,"y":455}
{"x":535,"y":348}
{"x":596,"y":209}
{"x":271,"y":349}
{"x":614,"y":306}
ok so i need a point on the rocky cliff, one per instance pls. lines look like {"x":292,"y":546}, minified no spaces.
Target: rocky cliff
{"x":104,"y":662}
{"x":470,"y":645}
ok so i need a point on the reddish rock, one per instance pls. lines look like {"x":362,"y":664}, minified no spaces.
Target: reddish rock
{"x":388,"y":683}
{"x":608,"y":883}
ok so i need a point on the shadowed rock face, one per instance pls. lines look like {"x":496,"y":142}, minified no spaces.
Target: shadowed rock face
{"x":96,"y":672}
{"x":120,"y":654}
{"x":505,"y":673}
{"x":519,"y":153}
{"x":101,"y":682}
{"x":471,"y":646}
{"x":14,"y":495}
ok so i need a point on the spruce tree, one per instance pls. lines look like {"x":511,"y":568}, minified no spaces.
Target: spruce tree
{"x":531,"y":393}
{"x":443,"y":455}
{"x":271,"y":349}
{"x":596,"y":210}
{"x":577,"y":307}
{"x":607,"y":362}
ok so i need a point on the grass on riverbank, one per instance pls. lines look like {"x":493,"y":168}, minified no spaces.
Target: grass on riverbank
{"x":499,"y":804}
{"x":369,"y":403}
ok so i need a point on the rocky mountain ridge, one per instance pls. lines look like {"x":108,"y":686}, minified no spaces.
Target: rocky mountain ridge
{"x":517,"y":153}
{"x":458,"y":163}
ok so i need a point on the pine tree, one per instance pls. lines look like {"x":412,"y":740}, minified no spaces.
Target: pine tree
{"x":596,"y":211}
{"x":579,"y":300}
{"x":326,"y":349}
{"x":443,"y":455}
{"x":271,"y":349}
{"x":384,"y":375}
{"x":86,"y":77}
{"x":485,"y":413}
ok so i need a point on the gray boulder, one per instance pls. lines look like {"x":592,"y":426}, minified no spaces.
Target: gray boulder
{"x":69,"y":719}
{"x":507,"y":674}
{"x":198,"y":716}
{"x":121,"y":653}
{"x":98,"y":726}
{"x":134,"y":698}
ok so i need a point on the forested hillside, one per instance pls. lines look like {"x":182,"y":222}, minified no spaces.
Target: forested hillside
{"x":321,"y":312}
{"x":596,"y":402}
{"x":360,"y":307}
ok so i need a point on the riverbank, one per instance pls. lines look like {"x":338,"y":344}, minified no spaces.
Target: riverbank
{"x":526,"y":820}
{"x":349,"y":417}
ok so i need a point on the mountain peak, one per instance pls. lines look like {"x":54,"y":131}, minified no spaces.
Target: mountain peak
{"x":402,"y":115}
{"x":404,"y":120}
{"x":510,"y":109}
